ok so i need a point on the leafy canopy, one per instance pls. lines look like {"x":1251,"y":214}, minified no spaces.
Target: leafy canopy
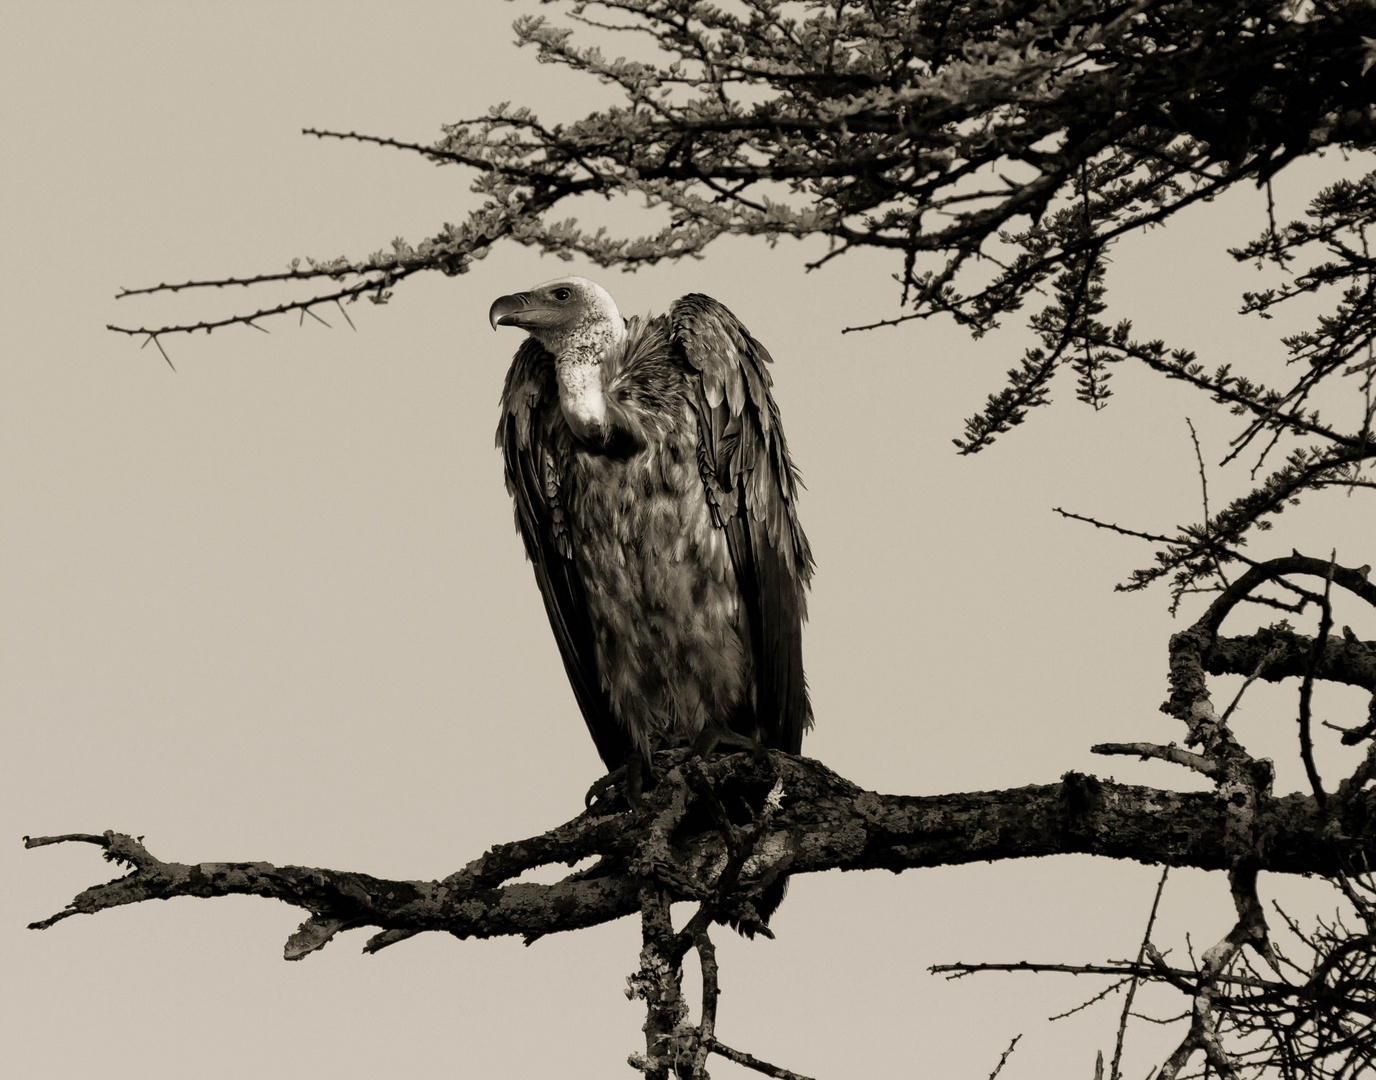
{"x":997,"y":149}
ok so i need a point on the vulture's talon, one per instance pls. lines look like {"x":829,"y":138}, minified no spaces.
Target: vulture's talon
{"x":611,"y":783}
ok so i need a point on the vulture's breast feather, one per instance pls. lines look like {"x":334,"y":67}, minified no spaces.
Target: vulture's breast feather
{"x":672,"y":637}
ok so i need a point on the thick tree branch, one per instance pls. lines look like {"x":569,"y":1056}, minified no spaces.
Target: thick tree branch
{"x":1346,"y":660}
{"x":824,"y":823}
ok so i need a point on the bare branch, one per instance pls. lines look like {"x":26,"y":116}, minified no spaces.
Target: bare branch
{"x":1307,"y":687}
{"x":1115,"y":1066}
{"x":752,"y":1062}
{"x":825,"y":823}
{"x":1003,"y":1058}
{"x":1198,"y":762}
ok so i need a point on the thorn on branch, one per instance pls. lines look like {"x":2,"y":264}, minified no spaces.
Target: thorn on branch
{"x":307,"y":311}
{"x":154,"y":339}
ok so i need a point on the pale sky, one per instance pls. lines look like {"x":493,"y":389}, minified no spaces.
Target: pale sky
{"x":272,"y":606}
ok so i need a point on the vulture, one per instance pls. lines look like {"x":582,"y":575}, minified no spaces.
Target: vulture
{"x":657,"y":501}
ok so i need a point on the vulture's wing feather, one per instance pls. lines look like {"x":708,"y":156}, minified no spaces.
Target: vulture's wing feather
{"x":751,"y":486}
{"x":528,"y":438}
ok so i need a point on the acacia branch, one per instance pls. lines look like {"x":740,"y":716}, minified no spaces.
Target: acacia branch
{"x":824,"y":823}
{"x":378,"y":287}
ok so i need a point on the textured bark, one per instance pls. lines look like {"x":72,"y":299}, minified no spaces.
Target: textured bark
{"x":822,"y":822}
{"x":1284,"y":654}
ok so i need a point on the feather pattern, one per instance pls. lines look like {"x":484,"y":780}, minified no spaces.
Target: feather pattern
{"x":665,"y":539}
{"x":752,"y":484}
{"x":530,"y":439}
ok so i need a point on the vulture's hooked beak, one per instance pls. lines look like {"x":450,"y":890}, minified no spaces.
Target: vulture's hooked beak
{"x":518,"y":309}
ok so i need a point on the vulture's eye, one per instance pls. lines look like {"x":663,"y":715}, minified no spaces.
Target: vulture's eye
{"x":562,"y":294}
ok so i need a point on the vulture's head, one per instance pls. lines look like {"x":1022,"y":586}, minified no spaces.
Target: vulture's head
{"x":569,"y":316}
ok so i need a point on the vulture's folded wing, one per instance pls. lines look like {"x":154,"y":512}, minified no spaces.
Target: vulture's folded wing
{"x":751,"y":487}
{"x":526,"y":438}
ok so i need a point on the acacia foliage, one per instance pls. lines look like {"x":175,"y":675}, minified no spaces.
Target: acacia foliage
{"x":997,"y":149}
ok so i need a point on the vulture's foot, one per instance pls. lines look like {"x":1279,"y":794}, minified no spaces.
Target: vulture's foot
{"x":712,"y":741}
{"x":610,"y":785}
{"x":628,"y":781}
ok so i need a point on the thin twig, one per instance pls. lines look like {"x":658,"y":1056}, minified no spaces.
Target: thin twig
{"x":1178,"y":977}
{"x":429,"y":151}
{"x":1307,"y":687}
{"x":1153,"y":537}
{"x":394,"y":274}
{"x":740,"y":1057}
{"x":1112,"y":988}
{"x":1204,"y":491}
{"x":1003,"y":1058}
{"x":1262,"y":664}
{"x":1113,"y":1071}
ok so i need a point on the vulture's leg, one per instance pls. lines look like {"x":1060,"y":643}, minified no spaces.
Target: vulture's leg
{"x":636,"y":767}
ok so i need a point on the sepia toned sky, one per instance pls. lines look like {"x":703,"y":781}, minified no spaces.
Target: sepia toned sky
{"x":272,"y":606}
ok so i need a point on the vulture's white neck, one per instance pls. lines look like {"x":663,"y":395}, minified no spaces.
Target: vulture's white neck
{"x":579,"y":363}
